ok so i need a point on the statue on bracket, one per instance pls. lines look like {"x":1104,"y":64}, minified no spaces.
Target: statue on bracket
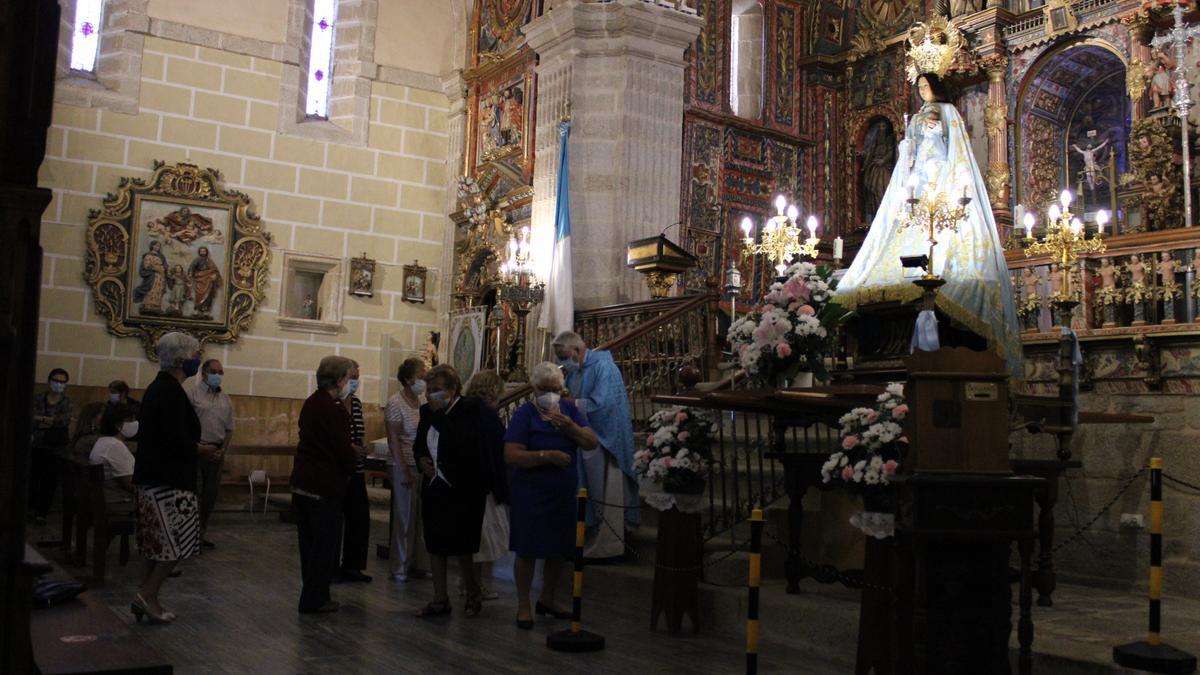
{"x":177,"y":252}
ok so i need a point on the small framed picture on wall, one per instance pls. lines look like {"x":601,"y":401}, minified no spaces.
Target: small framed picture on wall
{"x":415,"y":278}
{"x":362,"y":276}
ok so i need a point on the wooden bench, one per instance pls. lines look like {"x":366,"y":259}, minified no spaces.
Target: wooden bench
{"x":96,"y":513}
{"x":83,"y":635}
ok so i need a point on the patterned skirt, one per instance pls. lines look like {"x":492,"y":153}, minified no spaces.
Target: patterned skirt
{"x":168,"y":523}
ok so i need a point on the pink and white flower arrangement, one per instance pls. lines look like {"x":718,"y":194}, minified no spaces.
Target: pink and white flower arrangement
{"x":790,"y":331}
{"x":678,"y":449}
{"x":872,"y":442}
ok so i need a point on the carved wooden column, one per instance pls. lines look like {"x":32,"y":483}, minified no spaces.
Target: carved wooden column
{"x":996,"y":122}
{"x":1137,"y":77}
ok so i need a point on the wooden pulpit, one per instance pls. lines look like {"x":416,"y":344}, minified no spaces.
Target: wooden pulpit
{"x":660,"y":260}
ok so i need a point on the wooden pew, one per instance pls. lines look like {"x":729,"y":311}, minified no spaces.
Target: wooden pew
{"x":83,"y":635}
{"x":96,"y":513}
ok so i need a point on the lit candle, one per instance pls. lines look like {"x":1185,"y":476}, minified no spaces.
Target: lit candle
{"x":1076,"y":226}
{"x":912,"y":186}
{"x":1029,"y":220}
{"x":747,"y":226}
{"x":1055,"y":213}
{"x":837,"y":248}
{"x":793,"y":213}
{"x":812,"y":226}
{"x":1101,"y":221}
{"x":780,"y":204}
{"x":1019,"y":214}
{"x":1065,"y":198}
{"x":512,"y":248}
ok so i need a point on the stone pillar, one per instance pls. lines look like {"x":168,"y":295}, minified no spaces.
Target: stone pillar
{"x":618,"y":69}
{"x":998,"y":178}
{"x":456,"y":128}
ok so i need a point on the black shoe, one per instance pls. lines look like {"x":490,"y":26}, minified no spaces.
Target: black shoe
{"x":524,"y":624}
{"x":543,"y":610}
{"x":207,"y":544}
{"x":330,"y":606}
{"x":354,"y":575}
{"x":474,"y":604}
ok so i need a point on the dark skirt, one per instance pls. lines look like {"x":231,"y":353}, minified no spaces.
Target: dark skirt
{"x":542,"y":506}
{"x":452,"y":518}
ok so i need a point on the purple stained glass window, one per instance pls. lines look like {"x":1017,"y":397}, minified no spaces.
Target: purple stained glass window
{"x":85,"y":41}
{"x":320,"y":58}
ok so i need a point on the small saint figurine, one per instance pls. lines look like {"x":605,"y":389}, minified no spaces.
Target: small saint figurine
{"x":1108,"y":295}
{"x":1031,"y":304}
{"x":308,"y":308}
{"x":1138,"y":292}
{"x":1169,"y":288}
{"x":1056,"y":282}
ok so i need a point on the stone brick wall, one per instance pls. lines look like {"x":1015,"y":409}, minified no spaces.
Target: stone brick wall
{"x":220,"y":108}
{"x":1110,"y":554}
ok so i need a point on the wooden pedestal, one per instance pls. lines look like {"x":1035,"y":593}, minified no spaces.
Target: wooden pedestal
{"x":677,"y":570}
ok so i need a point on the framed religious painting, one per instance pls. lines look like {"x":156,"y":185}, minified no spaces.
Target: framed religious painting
{"x":415,"y":279}
{"x":467,"y":333}
{"x":503,"y":131}
{"x":177,"y":252}
{"x":362,"y":276}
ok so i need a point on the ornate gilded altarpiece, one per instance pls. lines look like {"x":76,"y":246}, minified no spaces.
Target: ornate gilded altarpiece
{"x":177,"y":252}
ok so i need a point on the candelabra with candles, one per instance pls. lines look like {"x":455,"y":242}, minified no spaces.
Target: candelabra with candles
{"x":781,"y":237}
{"x":934,"y":212}
{"x":1064,"y":241}
{"x":519,"y":288}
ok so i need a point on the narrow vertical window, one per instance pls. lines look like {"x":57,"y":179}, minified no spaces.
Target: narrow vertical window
{"x":746,"y":59}
{"x":320,"y":58}
{"x":733,"y":62}
{"x":85,"y":41}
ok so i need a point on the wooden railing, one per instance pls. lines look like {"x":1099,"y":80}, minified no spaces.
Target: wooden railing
{"x":649,"y":341}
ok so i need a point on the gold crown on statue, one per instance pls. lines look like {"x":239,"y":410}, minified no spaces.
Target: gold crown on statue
{"x":932,"y":47}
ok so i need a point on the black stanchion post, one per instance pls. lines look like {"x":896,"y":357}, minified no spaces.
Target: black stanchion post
{"x":1152,"y":655}
{"x":756,"y":528}
{"x":576,"y":639}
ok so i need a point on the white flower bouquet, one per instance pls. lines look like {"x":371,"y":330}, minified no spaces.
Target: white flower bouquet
{"x":872,"y":443}
{"x":678,"y":449}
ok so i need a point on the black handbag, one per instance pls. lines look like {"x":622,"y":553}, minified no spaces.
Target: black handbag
{"x":48,"y":591}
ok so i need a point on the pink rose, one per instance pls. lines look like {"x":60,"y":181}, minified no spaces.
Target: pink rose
{"x":849,"y":442}
{"x":794,"y":306}
{"x":904,"y":440}
{"x":847,"y":473}
{"x":889,"y":467}
{"x":684,"y":435}
{"x":872,"y":416}
{"x":900,"y":411}
{"x":783,"y":350}
{"x":807,"y":310}
{"x":649,"y":441}
{"x":667,"y":462}
{"x":680,"y":417}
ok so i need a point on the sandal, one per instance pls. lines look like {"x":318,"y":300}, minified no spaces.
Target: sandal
{"x":434,"y":608}
{"x":474,"y":604}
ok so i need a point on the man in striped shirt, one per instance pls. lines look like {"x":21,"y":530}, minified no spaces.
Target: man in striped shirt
{"x":356,"y":511}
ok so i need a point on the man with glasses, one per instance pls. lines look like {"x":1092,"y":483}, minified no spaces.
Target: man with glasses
{"x":215,"y":410}
{"x":52,"y":412}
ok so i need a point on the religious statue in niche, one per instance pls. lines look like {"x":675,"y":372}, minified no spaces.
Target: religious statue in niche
{"x":878,"y":160}
{"x":1162,"y":87}
{"x":362,"y":276}
{"x":177,"y":252}
{"x":1169,"y":289}
{"x":1154,"y":166}
{"x":1092,"y":174}
{"x":502,"y":122}
{"x":1139,"y":292}
{"x":874,"y":87}
{"x":308,"y":307}
{"x":1108,"y":295}
{"x":1031,"y":302}
{"x":935,"y":164}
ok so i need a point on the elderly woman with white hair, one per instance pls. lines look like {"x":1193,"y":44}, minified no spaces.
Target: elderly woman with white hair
{"x":540,"y":446}
{"x":164,"y":475}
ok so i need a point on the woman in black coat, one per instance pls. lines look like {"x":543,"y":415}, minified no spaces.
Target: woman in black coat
{"x":453,"y":448}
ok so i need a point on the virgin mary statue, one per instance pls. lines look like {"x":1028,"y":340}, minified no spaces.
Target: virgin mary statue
{"x":935,"y":156}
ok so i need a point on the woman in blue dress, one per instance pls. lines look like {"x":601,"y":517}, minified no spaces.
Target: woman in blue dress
{"x":540,"y":446}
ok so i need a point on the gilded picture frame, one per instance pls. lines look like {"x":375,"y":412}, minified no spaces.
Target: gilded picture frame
{"x":362,"y":276}
{"x":177,"y":252}
{"x":416,"y":281}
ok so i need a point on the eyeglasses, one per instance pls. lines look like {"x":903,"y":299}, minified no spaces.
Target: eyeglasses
{"x":58,"y":381}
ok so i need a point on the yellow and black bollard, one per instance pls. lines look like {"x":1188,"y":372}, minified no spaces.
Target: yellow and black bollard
{"x":1152,"y":655}
{"x":756,"y":528}
{"x":576,"y":639}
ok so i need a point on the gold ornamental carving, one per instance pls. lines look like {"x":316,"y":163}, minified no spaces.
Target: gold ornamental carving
{"x":1151,"y":149}
{"x":1136,"y":79}
{"x":660,"y":283}
{"x":177,"y":252}
{"x":997,"y":181}
{"x":995,"y":118}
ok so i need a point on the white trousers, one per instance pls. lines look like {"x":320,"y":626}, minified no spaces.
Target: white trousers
{"x":605,"y":482}
{"x":407,"y":552}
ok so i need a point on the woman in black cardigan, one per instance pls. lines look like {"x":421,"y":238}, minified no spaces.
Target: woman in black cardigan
{"x":453,"y":447}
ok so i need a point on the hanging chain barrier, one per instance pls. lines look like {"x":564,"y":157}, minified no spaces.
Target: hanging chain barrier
{"x":1178,"y":481}
{"x":1079,"y":531}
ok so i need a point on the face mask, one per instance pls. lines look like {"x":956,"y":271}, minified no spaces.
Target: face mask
{"x":58,"y":387}
{"x":569,"y":365}
{"x":353,"y":387}
{"x":129,"y":429}
{"x":439,"y":397}
{"x":214,"y":380}
{"x":190,"y":367}
{"x":345,"y":391}
{"x":418,"y":387}
{"x":548,"y":400}
{"x":114,"y":398}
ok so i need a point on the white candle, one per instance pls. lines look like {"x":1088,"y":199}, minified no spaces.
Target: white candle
{"x":812,"y":226}
{"x":1101,"y":221}
{"x":747,"y":226}
{"x":837,"y":248}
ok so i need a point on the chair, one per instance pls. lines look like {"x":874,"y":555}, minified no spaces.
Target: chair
{"x":94,"y":513}
{"x":260,"y":477}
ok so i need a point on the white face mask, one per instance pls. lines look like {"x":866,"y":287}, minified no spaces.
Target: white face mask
{"x":114,"y":398}
{"x":548,"y":400}
{"x":129,"y":429}
{"x":418,"y":387}
{"x":345,"y":391}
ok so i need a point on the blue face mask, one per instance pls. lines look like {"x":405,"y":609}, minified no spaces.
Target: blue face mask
{"x":569,"y":365}
{"x":353,"y":387}
{"x":438,"y":397}
{"x":114,"y":398}
{"x":213,"y":380}
{"x":190,"y":367}
{"x":58,"y":387}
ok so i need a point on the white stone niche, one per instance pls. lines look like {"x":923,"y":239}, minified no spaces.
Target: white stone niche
{"x":311,"y":277}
